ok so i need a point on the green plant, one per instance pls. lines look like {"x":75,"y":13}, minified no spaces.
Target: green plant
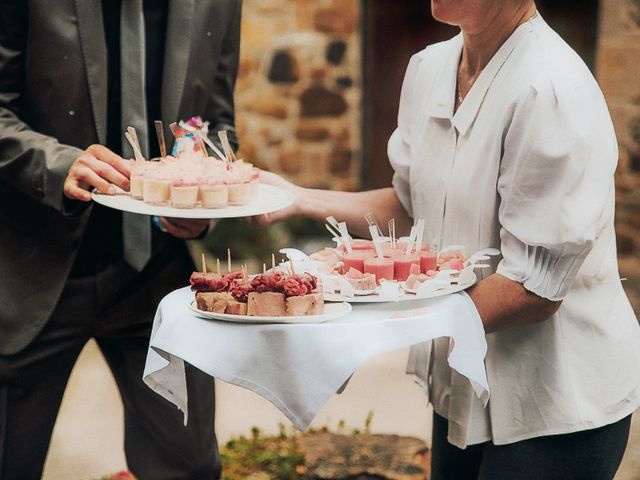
{"x":278,"y":456}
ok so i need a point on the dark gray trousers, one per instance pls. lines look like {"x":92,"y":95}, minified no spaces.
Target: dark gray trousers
{"x":587,"y":455}
{"x":116,"y":308}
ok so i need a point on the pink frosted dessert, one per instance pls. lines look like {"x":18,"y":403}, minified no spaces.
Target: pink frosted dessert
{"x":156,"y":188}
{"x":214,"y":192}
{"x":380,"y":267}
{"x":402,"y":265}
{"x":361,"y":281}
{"x":241,"y":179}
{"x":356,"y":259}
{"x":185,"y":179}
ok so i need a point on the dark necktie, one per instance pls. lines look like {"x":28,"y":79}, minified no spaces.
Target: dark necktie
{"x":136,"y":229}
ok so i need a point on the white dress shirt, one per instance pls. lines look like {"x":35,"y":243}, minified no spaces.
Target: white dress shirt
{"x":526,"y":164}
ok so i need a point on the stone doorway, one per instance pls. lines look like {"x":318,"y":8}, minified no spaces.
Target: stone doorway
{"x":392,"y":30}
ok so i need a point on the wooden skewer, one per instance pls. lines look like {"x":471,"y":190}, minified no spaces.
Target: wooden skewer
{"x":218,"y":265}
{"x":172,"y":127}
{"x":293,"y":270}
{"x":228,"y":260}
{"x":204,"y":264}
{"x":273,"y":262}
{"x":203,"y":149}
{"x":134,"y":134}
{"x":160,"y":134}
{"x":213,"y":147}
{"x":264,"y":268}
{"x":222,"y":134}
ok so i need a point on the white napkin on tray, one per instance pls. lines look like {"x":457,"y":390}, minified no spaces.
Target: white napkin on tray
{"x":298,"y":367}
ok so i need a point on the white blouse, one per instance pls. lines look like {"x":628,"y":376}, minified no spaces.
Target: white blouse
{"x":526,"y":164}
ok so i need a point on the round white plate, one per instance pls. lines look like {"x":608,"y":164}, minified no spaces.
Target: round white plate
{"x":407,"y":296}
{"x":267,"y":199}
{"x":331,"y":312}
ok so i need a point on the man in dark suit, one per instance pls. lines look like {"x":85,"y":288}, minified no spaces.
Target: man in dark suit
{"x":73,"y":75}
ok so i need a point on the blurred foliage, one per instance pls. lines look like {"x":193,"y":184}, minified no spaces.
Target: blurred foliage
{"x":250,"y":243}
{"x":276,"y":456}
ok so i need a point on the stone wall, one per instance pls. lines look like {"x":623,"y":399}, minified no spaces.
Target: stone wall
{"x":298,"y":90}
{"x":618,"y":71}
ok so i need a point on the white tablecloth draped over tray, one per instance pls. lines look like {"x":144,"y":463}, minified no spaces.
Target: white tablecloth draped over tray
{"x":298,"y":367}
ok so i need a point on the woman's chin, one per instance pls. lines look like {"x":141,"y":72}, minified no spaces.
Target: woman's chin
{"x":443,"y":12}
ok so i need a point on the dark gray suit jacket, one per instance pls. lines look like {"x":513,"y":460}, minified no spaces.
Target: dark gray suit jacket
{"x":53,"y":104}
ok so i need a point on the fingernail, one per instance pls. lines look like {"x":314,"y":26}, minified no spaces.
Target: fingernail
{"x":112,"y":190}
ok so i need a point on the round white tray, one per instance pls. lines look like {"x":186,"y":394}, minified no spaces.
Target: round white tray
{"x":407,"y":296}
{"x":331,"y":312}
{"x":267,"y":199}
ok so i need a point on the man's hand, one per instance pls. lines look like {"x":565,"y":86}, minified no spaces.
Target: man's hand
{"x":99,"y":168}
{"x":185,"y":228}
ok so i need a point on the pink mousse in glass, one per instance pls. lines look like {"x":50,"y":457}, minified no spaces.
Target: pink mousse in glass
{"x":381,"y":267}
{"x":356,"y":259}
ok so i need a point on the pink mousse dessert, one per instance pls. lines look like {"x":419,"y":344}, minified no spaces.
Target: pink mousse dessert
{"x":402,"y":265}
{"x":428,"y":261}
{"x":356,"y":259}
{"x":381,"y":267}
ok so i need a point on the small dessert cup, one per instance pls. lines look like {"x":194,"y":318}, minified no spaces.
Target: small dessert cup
{"x":381,"y":267}
{"x":240,"y":193}
{"x":156,"y":187}
{"x":184,"y":194}
{"x":214,"y":196}
{"x":136,"y":179}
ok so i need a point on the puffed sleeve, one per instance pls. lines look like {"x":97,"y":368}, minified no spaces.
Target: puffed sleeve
{"x":399,"y":146}
{"x":556,"y":178}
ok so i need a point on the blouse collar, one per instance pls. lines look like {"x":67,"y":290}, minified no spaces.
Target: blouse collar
{"x":441,"y":104}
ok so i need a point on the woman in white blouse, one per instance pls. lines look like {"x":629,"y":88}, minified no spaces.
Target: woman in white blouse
{"x":504,"y":140}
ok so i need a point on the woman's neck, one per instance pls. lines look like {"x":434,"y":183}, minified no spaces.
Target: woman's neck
{"x":481,"y":42}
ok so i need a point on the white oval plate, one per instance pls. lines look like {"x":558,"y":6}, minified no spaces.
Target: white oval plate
{"x":331,"y":312}
{"x":268,"y":199}
{"x":406,"y":297}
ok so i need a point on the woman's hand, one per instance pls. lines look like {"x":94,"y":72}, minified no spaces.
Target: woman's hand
{"x":294,"y":210}
{"x":99,"y":168}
